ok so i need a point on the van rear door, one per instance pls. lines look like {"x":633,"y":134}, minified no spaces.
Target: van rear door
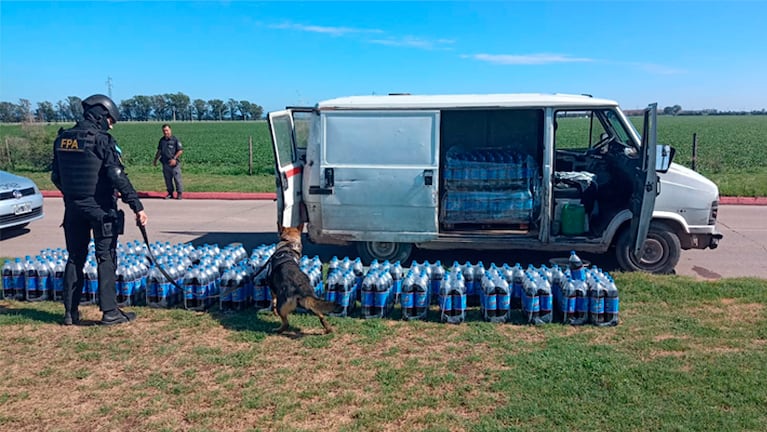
{"x":288,"y":168}
{"x":645,"y":181}
{"x":380,"y":173}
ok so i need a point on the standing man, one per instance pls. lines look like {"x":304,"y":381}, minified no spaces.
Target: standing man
{"x":169,"y":149}
{"x":87,"y":170}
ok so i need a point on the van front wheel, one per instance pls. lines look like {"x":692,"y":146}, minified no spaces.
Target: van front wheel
{"x":383,"y":251}
{"x":662,"y":251}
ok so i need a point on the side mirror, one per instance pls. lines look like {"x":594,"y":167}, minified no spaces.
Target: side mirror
{"x":664,"y":155}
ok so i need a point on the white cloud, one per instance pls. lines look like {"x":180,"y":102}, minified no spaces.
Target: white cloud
{"x":527,"y":59}
{"x":332,"y":31}
{"x":415,"y":42}
{"x":545,"y":58}
{"x":404,"y":41}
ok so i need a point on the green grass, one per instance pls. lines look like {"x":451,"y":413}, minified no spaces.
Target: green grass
{"x":731,"y":152}
{"x":688,"y":355}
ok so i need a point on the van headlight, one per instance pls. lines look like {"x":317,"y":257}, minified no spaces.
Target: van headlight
{"x":714,"y":212}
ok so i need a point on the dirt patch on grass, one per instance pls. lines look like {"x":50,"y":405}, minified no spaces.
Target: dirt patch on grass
{"x":729,"y":312}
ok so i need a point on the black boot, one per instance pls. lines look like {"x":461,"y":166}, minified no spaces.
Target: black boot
{"x":117,"y":316}
{"x":72,"y":317}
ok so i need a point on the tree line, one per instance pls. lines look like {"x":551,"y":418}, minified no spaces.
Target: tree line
{"x":165,"y":107}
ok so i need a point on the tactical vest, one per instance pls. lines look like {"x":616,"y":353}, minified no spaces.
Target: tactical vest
{"x":77,"y":161}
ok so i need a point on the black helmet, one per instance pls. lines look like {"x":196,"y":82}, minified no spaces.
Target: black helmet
{"x":104,"y":101}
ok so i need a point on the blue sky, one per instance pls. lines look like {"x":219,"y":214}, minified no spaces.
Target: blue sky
{"x":704,"y":54}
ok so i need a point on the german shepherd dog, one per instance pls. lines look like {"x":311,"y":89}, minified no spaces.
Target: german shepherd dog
{"x":290,"y":287}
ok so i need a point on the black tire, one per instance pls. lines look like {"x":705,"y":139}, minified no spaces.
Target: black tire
{"x":662,"y":251}
{"x":383,"y":251}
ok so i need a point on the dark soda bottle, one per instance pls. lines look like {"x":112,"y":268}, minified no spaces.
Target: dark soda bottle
{"x":611,"y":303}
{"x":407,"y":301}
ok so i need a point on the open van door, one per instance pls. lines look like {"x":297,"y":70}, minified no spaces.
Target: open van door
{"x":646,"y":182}
{"x":288,"y":168}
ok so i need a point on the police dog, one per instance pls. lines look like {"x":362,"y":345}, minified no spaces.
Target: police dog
{"x":290,"y":287}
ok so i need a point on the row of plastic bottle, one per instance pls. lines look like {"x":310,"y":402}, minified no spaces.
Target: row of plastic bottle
{"x":543,"y":295}
{"x":487,"y":206}
{"x":34,"y":278}
{"x":573,"y":295}
{"x":137,"y":281}
{"x":488,"y":169}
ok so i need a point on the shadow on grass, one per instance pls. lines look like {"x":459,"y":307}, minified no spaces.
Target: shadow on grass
{"x":248,"y":319}
{"x":251,"y":321}
{"x":17,"y":315}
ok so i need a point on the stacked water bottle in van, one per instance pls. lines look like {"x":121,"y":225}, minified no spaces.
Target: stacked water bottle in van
{"x":536,"y":295}
{"x":488,"y":186}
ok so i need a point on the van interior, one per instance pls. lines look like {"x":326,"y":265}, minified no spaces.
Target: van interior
{"x":492,"y":165}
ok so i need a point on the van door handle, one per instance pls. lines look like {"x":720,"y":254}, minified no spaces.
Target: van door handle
{"x":329,"y":177}
{"x":428,"y":177}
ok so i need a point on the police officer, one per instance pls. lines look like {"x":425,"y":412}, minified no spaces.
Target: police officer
{"x":87,"y":170}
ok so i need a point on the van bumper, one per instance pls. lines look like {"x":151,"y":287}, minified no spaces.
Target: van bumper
{"x":705,"y":241}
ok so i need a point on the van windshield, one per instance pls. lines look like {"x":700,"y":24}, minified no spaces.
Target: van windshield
{"x":620,"y":134}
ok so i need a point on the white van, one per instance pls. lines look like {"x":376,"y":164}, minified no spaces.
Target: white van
{"x":488,"y":172}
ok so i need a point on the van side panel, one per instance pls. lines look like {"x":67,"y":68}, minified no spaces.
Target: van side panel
{"x":382,"y":168}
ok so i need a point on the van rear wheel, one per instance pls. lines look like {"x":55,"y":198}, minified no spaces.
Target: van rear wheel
{"x":383,"y":251}
{"x":662,"y":251}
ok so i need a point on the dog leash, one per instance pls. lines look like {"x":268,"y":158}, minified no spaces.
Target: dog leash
{"x":153,"y":260}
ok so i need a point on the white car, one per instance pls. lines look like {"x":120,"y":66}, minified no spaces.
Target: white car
{"x":20,"y":201}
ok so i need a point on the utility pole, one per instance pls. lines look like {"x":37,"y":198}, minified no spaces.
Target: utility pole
{"x":109,"y":87}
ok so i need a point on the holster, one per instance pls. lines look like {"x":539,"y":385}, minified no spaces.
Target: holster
{"x":113,"y":223}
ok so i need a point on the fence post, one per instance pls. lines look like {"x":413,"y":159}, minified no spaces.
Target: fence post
{"x":694,"y":151}
{"x":250,"y":155}
{"x":8,"y":151}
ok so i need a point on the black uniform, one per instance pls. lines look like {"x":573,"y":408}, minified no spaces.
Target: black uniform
{"x":87,"y":170}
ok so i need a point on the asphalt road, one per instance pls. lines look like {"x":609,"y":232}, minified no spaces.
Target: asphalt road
{"x":742,"y":252}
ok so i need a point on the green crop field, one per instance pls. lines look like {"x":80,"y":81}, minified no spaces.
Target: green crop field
{"x":210,"y":147}
{"x":731,"y":151}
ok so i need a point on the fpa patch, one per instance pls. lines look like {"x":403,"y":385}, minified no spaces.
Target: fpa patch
{"x":69,"y":144}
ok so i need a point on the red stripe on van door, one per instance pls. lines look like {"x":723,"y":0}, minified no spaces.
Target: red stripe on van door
{"x":293,"y":171}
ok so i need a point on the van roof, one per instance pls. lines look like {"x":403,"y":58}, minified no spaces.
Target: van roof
{"x":515,"y":100}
